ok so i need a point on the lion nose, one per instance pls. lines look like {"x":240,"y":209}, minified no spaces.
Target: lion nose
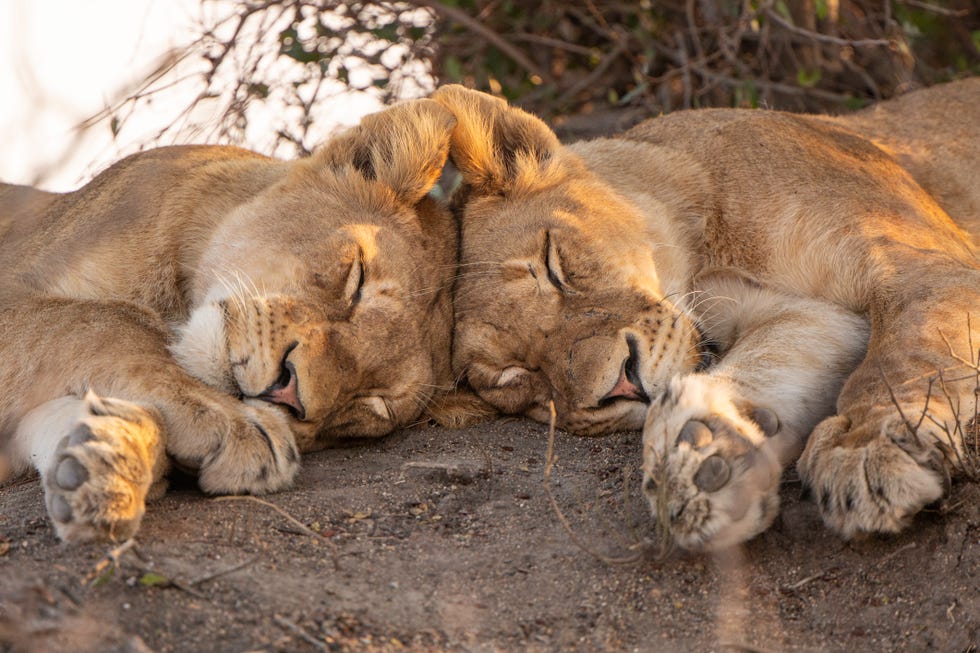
{"x":285,"y":391}
{"x":629,"y":385}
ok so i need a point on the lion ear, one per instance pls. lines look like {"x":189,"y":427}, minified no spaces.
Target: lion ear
{"x":493,"y":143}
{"x":404,"y":147}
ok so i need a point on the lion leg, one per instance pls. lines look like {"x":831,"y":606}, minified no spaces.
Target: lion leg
{"x":715,"y":443}
{"x":100,"y":460}
{"x":120,"y":351}
{"x":902,"y":416}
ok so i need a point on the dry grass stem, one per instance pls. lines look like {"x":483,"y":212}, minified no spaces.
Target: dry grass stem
{"x":303,"y":528}
{"x":578,"y":541}
{"x":223,"y":572}
{"x":910,"y":545}
{"x":302,"y":634}
{"x":106,"y":567}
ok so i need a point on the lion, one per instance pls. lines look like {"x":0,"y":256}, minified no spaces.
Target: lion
{"x":223,"y":310}
{"x":749,"y":287}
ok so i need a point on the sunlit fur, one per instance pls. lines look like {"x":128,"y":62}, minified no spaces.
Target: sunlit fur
{"x":182,"y":284}
{"x":830,"y":262}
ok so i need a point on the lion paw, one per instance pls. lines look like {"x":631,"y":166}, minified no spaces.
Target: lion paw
{"x":873,"y":478}
{"x":709,"y":470}
{"x":257,"y":455}
{"x":104,"y":469}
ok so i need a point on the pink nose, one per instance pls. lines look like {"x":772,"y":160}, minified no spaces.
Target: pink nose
{"x":626,"y":389}
{"x":285,"y":391}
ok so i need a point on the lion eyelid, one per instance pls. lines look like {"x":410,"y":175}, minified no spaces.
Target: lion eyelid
{"x":552,"y":262}
{"x":379,"y":406}
{"x":355,"y":279}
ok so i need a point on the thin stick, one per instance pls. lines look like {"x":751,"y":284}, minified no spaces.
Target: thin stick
{"x":561,"y":516}
{"x":305,"y":636}
{"x":826,"y":38}
{"x":472,"y":24}
{"x":223,"y":572}
{"x":303,"y":528}
{"x":798,"y":584}
{"x":910,"y":545}
{"x":590,"y":79}
{"x":292,"y":520}
{"x":942,"y":11}
{"x":110,"y":558}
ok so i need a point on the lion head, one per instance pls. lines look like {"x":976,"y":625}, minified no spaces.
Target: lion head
{"x":560,"y":295}
{"x":327,"y":293}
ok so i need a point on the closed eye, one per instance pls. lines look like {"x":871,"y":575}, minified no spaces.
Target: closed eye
{"x":552,"y":261}
{"x":355,"y":280}
{"x":379,"y":406}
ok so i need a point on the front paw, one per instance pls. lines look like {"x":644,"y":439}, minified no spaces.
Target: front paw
{"x":874,"y":476}
{"x":256,"y":455}
{"x":711,"y":471}
{"x":103,"y":471}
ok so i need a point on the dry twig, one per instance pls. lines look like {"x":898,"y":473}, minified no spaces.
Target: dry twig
{"x":549,"y":465}
{"x":303,"y":528}
{"x":302,"y":634}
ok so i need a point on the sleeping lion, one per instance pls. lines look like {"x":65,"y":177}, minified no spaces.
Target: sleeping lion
{"x":225,"y":308}
{"x":745,"y":285}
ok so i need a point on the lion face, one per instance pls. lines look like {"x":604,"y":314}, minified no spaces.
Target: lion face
{"x":556,"y":299}
{"x":328,"y":293}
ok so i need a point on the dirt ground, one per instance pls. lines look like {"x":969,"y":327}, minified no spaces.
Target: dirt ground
{"x":442,"y":540}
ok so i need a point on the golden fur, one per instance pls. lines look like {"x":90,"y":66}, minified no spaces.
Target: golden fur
{"x":226,"y":307}
{"x":740,"y":284}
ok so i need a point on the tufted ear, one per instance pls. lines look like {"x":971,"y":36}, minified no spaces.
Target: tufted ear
{"x":494,"y":144}
{"x":404,"y":147}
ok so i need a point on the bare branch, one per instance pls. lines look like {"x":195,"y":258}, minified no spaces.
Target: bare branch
{"x":824,"y":38}
{"x":470,"y":23}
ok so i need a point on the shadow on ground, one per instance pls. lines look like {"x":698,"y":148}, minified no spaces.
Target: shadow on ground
{"x":437,"y":540}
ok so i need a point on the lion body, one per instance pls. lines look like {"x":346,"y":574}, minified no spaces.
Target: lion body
{"x":832,"y":263}
{"x":224,"y":307}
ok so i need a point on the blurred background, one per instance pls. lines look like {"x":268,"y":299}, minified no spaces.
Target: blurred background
{"x":85,"y":83}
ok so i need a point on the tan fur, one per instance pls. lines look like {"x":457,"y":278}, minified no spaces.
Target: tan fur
{"x":803,"y":247}
{"x":238,"y":309}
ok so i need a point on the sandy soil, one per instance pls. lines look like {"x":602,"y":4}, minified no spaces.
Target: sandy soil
{"x":437,"y":540}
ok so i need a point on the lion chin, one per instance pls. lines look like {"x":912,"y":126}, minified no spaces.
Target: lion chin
{"x":224,"y":311}
{"x":753,"y":287}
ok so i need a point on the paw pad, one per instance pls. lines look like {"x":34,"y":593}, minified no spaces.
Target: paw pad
{"x":767,"y":421}
{"x":81,"y":434}
{"x":60,"y":510}
{"x":713,"y":474}
{"x":696,"y":433}
{"x":70,"y":474}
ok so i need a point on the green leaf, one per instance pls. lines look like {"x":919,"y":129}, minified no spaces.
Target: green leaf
{"x":808,"y":78}
{"x":637,"y":90}
{"x":821,"y":8}
{"x":387,"y":32}
{"x":454,"y":68}
{"x":150,"y":579}
{"x":783,"y":11}
{"x":747,"y":95}
{"x":259,"y":90}
{"x":105,"y":576}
